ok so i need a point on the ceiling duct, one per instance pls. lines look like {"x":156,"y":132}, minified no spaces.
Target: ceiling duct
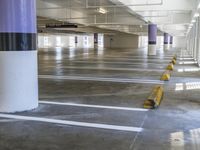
{"x":66,"y":25}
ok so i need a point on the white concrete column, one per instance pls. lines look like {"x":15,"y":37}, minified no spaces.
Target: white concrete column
{"x":18,"y":56}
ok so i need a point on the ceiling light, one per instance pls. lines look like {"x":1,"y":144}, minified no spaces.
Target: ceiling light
{"x":196,"y":15}
{"x":199,"y":6}
{"x":102,"y":10}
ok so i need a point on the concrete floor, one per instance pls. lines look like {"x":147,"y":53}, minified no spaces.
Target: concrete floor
{"x":96,"y":80}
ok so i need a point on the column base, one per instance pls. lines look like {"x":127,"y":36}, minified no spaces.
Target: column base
{"x":166,"y":47}
{"x":152,"y":50}
{"x":18,"y":81}
{"x":95,"y":45}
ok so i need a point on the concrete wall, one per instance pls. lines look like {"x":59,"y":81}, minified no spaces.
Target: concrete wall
{"x":179,"y":42}
{"x":121,"y":41}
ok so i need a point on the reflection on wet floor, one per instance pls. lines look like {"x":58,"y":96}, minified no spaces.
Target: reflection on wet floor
{"x":93,"y":98}
{"x":95,"y":65}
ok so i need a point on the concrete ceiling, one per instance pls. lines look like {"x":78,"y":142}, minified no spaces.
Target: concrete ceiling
{"x":172,"y":16}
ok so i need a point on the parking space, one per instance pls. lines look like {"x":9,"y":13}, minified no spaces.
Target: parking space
{"x":98,"y":101}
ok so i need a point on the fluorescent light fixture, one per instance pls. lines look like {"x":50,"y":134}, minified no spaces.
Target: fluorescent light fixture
{"x":102,"y":10}
{"x":199,"y":6}
{"x":196,"y":15}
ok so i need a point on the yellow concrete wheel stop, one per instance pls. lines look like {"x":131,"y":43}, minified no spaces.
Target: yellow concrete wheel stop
{"x":173,"y":61}
{"x":175,"y":57}
{"x":165,"y":76}
{"x":154,"y":100}
{"x":148,"y":104}
{"x":170,"y":67}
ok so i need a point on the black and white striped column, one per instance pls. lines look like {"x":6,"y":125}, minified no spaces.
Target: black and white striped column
{"x":95,"y":40}
{"x":171,"y":41}
{"x":18,"y":56}
{"x":166,"y":41}
{"x":76,"y":40}
{"x":152,"y":37}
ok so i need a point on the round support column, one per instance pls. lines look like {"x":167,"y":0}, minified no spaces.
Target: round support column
{"x":18,"y":56}
{"x":76,"y":41}
{"x":152,"y":36}
{"x":95,"y":40}
{"x":171,"y":41}
{"x":166,"y":41}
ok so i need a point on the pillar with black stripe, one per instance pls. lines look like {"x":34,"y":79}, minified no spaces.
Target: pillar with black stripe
{"x":166,"y":41}
{"x":76,"y":41}
{"x":95,"y":40}
{"x":171,"y":41}
{"x":152,"y":37}
{"x":18,"y":56}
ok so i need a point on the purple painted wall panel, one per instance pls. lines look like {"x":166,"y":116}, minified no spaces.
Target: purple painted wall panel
{"x":152,"y":32}
{"x":18,"y":16}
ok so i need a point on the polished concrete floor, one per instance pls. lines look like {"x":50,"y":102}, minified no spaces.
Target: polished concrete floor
{"x":91,"y":99}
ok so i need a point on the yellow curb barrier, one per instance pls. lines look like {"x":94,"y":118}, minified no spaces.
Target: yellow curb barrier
{"x":170,"y":66}
{"x":175,"y":57}
{"x":155,"y":98}
{"x":166,"y":76}
{"x":173,"y":61}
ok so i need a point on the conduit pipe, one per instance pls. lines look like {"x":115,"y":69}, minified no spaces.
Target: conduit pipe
{"x":106,"y":6}
{"x":123,"y":5}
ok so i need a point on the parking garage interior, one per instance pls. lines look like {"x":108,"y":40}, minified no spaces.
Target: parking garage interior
{"x":99,"y":75}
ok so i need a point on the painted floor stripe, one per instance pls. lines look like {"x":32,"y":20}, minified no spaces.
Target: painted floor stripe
{"x":105,"y":68}
{"x":73,"y":123}
{"x":124,"y":60}
{"x":136,"y":57}
{"x":116,"y":63}
{"x":93,"y":106}
{"x":129,"y":58}
{"x":118,"y":80}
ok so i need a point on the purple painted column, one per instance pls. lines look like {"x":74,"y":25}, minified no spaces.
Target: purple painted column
{"x":166,"y":41}
{"x":95,"y":40}
{"x":76,"y":39}
{"x":18,"y":55}
{"x":171,"y":41}
{"x":152,"y":37}
{"x":166,"y":38}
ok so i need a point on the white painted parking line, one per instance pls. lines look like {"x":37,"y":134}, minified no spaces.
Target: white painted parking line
{"x":73,"y":123}
{"x":132,"y":60}
{"x":105,"y":68}
{"x":117,"y":80}
{"x":93,"y":106}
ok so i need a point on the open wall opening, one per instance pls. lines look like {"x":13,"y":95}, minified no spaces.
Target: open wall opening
{"x":68,"y":40}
